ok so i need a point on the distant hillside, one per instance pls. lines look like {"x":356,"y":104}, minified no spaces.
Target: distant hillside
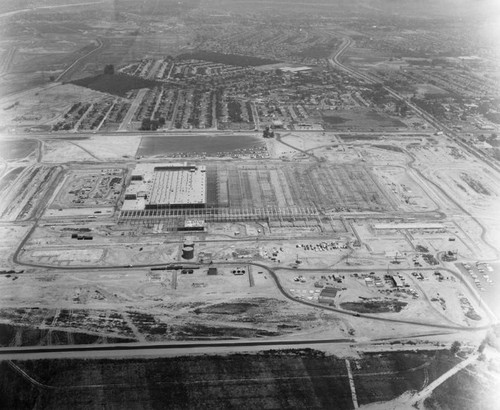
{"x":117,"y":84}
{"x":230,"y":59}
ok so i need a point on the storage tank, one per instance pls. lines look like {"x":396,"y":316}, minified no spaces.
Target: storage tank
{"x":187,"y":252}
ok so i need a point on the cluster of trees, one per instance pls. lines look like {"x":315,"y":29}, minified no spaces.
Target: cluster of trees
{"x":401,"y":108}
{"x":432,"y":107}
{"x":152,"y":125}
{"x":234,"y":111}
{"x":378,"y":94}
{"x":492,"y":139}
{"x":268,"y":132}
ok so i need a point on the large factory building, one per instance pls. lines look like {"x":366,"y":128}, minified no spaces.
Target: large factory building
{"x":166,"y":186}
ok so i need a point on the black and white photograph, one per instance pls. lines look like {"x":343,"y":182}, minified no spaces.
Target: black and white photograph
{"x":249,"y":204}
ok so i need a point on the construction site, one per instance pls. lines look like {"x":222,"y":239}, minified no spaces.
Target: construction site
{"x":219,"y":204}
{"x":330,"y":231}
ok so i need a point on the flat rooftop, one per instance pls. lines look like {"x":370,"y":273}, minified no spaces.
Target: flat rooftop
{"x":166,"y":185}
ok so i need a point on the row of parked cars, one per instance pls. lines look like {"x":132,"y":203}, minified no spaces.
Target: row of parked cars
{"x":322,"y":247}
{"x":482,"y":269}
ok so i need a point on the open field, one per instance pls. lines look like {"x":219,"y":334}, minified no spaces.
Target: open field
{"x":90,"y":148}
{"x":359,"y":119}
{"x":168,"y":305}
{"x":42,"y":107}
{"x":10,"y":236}
{"x":12,"y":150}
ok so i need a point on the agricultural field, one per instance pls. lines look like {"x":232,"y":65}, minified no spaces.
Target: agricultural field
{"x":465,"y":388}
{"x":274,"y":378}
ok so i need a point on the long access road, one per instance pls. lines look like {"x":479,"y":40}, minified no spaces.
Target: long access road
{"x":14,"y":12}
{"x":137,"y":349}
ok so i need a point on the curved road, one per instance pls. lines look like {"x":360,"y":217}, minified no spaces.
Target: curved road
{"x":99,"y":46}
{"x":334,"y":61}
{"x":275,"y":278}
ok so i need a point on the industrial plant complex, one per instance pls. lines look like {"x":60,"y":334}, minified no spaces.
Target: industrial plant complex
{"x":166,"y":186}
{"x":279,"y":204}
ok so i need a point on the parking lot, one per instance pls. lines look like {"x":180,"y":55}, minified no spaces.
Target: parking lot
{"x":485,"y":278}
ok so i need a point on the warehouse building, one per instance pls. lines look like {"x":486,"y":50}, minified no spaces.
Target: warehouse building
{"x":166,"y":186}
{"x":328,"y":294}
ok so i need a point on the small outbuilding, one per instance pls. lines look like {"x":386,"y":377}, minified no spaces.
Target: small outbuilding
{"x":397,"y":281}
{"x":212,"y":271}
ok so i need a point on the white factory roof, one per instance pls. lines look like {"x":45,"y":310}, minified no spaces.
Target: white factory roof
{"x":166,"y":184}
{"x":178,"y":187}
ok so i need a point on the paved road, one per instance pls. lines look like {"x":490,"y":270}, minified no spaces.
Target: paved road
{"x":440,"y":380}
{"x":179,"y":132}
{"x":158,"y":349}
{"x":133,"y":108}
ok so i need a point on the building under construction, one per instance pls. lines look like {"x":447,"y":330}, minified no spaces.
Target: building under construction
{"x":166,"y":186}
{"x":182,"y":197}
